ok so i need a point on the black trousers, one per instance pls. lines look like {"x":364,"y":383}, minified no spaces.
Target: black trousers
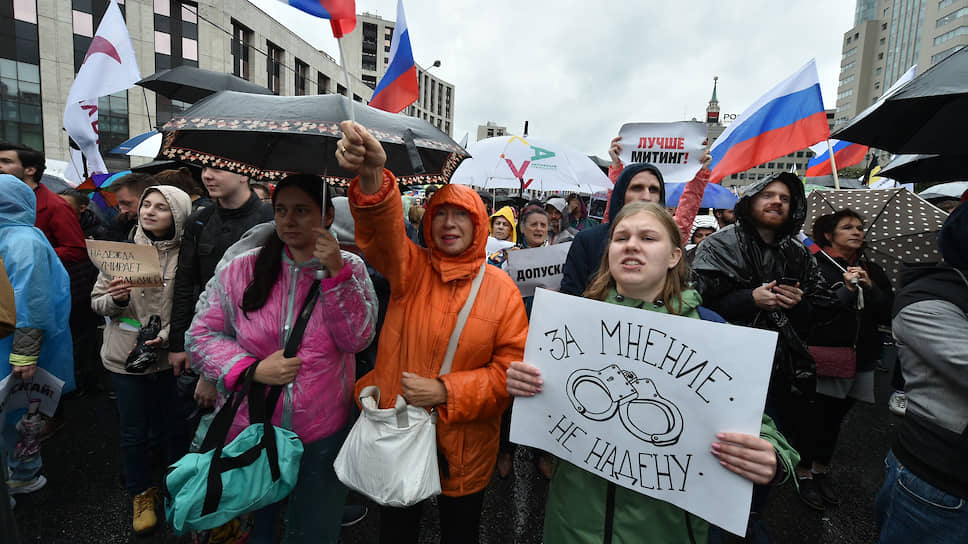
{"x":819,"y":430}
{"x":460,"y":521}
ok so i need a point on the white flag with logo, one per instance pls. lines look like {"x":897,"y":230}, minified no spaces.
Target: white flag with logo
{"x":109,"y":66}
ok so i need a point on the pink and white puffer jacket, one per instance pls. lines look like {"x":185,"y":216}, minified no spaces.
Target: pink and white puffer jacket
{"x":223,"y":341}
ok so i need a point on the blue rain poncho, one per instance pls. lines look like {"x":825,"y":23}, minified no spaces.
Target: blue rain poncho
{"x":41,"y":286}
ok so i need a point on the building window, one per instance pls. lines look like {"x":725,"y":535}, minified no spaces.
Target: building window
{"x":848,"y":66}
{"x":883,"y":26}
{"x":960,"y":31}
{"x":846,"y":80}
{"x":357,"y":98}
{"x":882,"y":41}
{"x":945,"y":3}
{"x":369,"y":80}
{"x":83,"y":23}
{"x":880,"y":56}
{"x":878,"y":70}
{"x":274,"y":67}
{"x":849,"y":52}
{"x":369,"y":47}
{"x":302,"y":75}
{"x":942,"y":55}
{"x":322,"y":83}
{"x":951,"y":17}
{"x":845,"y":94}
{"x":340,"y":89}
{"x":241,"y":45}
{"x":112,"y":120}
{"x":848,"y":41}
{"x":21,"y":119}
{"x":877,"y":84}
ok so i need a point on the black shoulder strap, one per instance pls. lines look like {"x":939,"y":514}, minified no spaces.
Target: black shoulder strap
{"x":299,"y":327}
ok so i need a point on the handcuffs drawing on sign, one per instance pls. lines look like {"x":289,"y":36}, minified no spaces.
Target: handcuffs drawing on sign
{"x":624,"y":389}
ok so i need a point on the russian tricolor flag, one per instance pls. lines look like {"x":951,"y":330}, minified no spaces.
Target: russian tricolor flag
{"x":341,"y":13}
{"x":788,"y":118}
{"x":398,"y":87}
{"x":812,"y":246}
{"x":845,"y":154}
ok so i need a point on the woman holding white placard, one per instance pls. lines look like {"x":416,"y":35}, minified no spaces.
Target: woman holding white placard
{"x":643,"y":268}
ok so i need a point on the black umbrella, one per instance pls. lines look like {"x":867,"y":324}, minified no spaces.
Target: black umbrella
{"x":269,"y":137}
{"x":925,"y":115}
{"x":909,"y":168}
{"x":191,"y":84}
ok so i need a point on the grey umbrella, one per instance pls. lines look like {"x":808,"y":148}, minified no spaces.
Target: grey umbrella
{"x":900,"y":226}
{"x":191,"y":84}
{"x":925,"y":115}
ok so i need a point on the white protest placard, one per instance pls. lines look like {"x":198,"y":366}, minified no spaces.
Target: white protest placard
{"x":494,"y":245}
{"x":16,"y":393}
{"x":538,"y":267}
{"x":637,"y":397}
{"x":137,"y":264}
{"x":675,"y":148}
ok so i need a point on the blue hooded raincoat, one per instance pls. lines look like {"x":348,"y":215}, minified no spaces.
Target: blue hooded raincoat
{"x":40,"y":283}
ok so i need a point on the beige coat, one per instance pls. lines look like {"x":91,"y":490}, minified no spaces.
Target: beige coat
{"x":147,"y":301}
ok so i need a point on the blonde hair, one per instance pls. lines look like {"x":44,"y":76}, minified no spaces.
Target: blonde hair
{"x":677,"y":277}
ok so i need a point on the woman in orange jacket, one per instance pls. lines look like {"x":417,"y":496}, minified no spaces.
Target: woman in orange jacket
{"x":428,"y":286}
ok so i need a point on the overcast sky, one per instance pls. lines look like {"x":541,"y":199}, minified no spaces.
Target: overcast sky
{"x":578,"y":70}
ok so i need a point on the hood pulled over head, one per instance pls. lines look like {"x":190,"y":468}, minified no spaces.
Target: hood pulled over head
{"x":622,"y":185}
{"x":467,"y":263}
{"x":18,"y":203}
{"x":507,"y":213}
{"x":180,"y":205}
{"x":798,"y":203}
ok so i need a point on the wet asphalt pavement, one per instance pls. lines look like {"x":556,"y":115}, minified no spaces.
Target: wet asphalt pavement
{"x":84,"y":501}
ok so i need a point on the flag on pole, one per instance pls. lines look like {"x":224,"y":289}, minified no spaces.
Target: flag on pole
{"x":341,"y":13}
{"x":110,"y":66}
{"x":788,"y":118}
{"x":845,"y":154}
{"x":398,"y":87}
{"x":812,"y":246}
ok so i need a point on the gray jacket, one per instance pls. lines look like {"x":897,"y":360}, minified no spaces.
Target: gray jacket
{"x":931,"y":328}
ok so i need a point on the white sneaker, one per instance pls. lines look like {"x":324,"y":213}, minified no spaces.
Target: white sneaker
{"x":18,"y":487}
{"x":897,"y":403}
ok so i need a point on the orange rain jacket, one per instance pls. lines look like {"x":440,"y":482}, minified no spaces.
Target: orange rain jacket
{"x":427,"y":290}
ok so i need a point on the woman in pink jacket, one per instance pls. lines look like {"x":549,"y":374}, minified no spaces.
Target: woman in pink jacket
{"x":244,"y":316}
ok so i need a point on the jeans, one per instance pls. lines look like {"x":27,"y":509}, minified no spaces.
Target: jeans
{"x":147,"y":406}
{"x":908,"y":509}
{"x":315,"y":507}
{"x":460,"y":521}
{"x":17,"y":469}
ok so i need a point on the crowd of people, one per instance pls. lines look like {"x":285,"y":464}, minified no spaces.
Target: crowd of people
{"x":239,"y":257}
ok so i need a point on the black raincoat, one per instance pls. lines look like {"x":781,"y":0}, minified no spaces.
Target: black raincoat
{"x":731,"y":263}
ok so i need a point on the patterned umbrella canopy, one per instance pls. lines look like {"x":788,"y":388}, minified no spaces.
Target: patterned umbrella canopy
{"x":901,"y":226}
{"x":270,"y":137}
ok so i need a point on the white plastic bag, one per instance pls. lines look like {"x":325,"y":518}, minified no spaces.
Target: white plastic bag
{"x":390,"y":455}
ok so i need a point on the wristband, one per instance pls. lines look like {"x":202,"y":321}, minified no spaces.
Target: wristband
{"x":23,"y":360}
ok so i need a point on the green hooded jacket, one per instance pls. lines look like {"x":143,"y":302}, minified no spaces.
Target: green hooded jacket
{"x":578,"y":501}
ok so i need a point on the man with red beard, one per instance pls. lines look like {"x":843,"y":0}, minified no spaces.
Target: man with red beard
{"x":756,"y":273}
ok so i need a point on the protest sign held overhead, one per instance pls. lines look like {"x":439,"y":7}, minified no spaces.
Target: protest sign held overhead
{"x":637,"y":397}
{"x":538,"y":267}
{"x":675,"y":148}
{"x":137,"y":264}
